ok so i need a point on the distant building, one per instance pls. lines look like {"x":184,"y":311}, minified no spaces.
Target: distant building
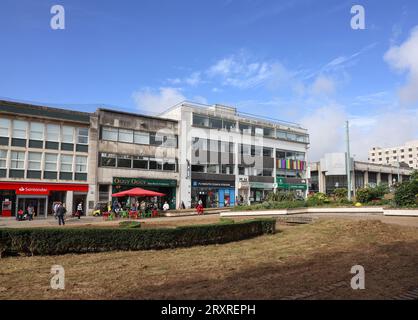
{"x":407,"y":154}
{"x":330,"y":173}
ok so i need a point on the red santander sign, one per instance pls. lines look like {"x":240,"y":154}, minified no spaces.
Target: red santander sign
{"x":33,"y":190}
{"x":42,"y":188}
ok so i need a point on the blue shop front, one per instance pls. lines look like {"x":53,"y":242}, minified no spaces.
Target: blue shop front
{"x":213,"y":194}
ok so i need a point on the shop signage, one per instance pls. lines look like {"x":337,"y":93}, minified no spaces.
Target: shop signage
{"x":23,"y":188}
{"x":261,"y":185}
{"x":144,"y":182}
{"x":33,"y":190}
{"x":291,"y":183}
{"x":213,"y":184}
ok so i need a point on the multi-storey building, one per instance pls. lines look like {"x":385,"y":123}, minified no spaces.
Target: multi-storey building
{"x":226,"y":156}
{"x":330,"y":173}
{"x":44,"y":157}
{"x":132,"y":150}
{"x":407,"y":153}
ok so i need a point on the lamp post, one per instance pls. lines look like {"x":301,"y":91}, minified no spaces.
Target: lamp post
{"x":348,"y":161}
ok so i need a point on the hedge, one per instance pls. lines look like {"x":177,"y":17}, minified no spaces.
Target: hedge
{"x":54,"y":241}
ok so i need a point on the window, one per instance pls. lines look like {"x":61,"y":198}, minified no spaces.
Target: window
{"x":162,"y":139}
{"x":83,"y":135}
{"x":267,"y":172}
{"x":291,"y":136}
{"x":67,"y":134}
{"x":124,"y":161}
{"x":227,"y":147}
{"x":199,"y":144}
{"x":213,"y":168}
{"x":108,"y":160}
{"x":52,"y":132}
{"x":51,"y":161}
{"x":213,"y":145}
{"x":17,"y":160}
{"x":244,"y":128}
{"x":258,"y":131}
{"x":215,"y":123}
{"x":34,"y":159}
{"x":66,"y":163}
{"x":103,"y":192}
{"x":3,"y":157}
{"x":80,"y":164}
{"x":268,"y":152}
{"x":227,"y":169}
{"x":140,"y":163}
{"x":245,"y":149}
{"x":200,"y":120}
{"x":19,"y":129}
{"x":4,"y":127}
{"x":36,"y":131}
{"x":155,"y":164}
{"x":256,"y":150}
{"x":141,"y":137}
{"x":228,"y":125}
{"x":110,"y":134}
{"x":268,"y":132}
{"x":126,"y":136}
{"x":281,"y":134}
{"x":169,"y":165}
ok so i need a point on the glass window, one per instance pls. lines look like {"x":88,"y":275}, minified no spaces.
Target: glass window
{"x":228,"y":125}
{"x":241,"y":170}
{"x":245,"y":128}
{"x":268,"y":132}
{"x":124,"y":161}
{"x":19,"y":129}
{"x":140,"y":162}
{"x":108,"y":160}
{"x":281,"y":134}
{"x":213,"y":145}
{"x":198,"y":168}
{"x":141,"y":137}
{"x":227,"y":147}
{"x":259,"y":131}
{"x":245,"y":149}
{"x":213,"y":168}
{"x":110,"y":134}
{"x":80,"y":164}
{"x":291,"y":136}
{"x":3,"y":157}
{"x":36,"y":131}
{"x":67,"y":134}
{"x":4,"y":127}
{"x":256,"y":150}
{"x":34,"y":159}
{"x":17,"y":160}
{"x":215,"y":123}
{"x":83,"y":135}
{"x":51,"y":161}
{"x":169,"y":165}
{"x":200,"y":120}
{"x":52,"y":132}
{"x":199,"y":144}
{"x":267,"y":152}
{"x":280,"y":154}
{"x":66,"y":163}
{"x":227,"y":169}
{"x":126,"y":136}
{"x":155,"y":164}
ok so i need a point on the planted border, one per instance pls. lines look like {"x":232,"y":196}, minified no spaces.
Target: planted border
{"x":54,"y":241}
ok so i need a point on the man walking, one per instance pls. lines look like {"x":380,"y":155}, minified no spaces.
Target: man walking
{"x":60,"y":214}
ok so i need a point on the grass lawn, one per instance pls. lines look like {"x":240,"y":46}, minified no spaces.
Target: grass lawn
{"x":295,"y":260}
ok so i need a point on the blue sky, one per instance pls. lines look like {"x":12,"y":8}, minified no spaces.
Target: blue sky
{"x":294,"y":60}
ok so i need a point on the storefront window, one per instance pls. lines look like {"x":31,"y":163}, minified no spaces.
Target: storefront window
{"x":4,"y":127}
{"x":67,"y":134}
{"x":52,"y":132}
{"x":51,"y":162}
{"x":66,"y":163}
{"x":36,"y":131}
{"x":80,"y":164}
{"x":110,"y":134}
{"x":19,"y":129}
{"x":34,"y":159}
{"x":17,"y":160}
{"x":83,"y":136}
{"x":126,"y":136}
{"x":3,"y":157}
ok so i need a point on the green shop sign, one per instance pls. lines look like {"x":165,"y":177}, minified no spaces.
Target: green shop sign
{"x":140,"y":182}
{"x":291,"y":183}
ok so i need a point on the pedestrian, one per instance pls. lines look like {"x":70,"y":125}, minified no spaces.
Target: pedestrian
{"x":60,"y":214}
{"x":182,"y":205}
{"x":54,"y":209}
{"x":166,"y":206}
{"x":20,"y":213}
{"x":80,"y":209}
{"x":30,"y":212}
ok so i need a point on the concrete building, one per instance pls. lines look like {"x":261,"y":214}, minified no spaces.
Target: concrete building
{"x":226,"y":156}
{"x":130,"y":150}
{"x":330,"y":173}
{"x":44,"y":157}
{"x":407,"y":153}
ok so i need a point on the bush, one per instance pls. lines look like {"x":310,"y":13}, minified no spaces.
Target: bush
{"x":130,"y":224}
{"x":367,"y":194}
{"x":406,"y":193}
{"x":340,"y":194}
{"x":279,"y":196}
{"x":317,"y":199}
{"x":52,"y":241}
{"x":270,"y":205}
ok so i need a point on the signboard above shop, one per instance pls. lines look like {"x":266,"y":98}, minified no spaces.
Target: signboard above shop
{"x":291,"y":183}
{"x":213,"y":184}
{"x":144,"y":182}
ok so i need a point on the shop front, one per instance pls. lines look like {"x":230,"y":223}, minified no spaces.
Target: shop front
{"x":213,"y":194}
{"x":292,"y":184}
{"x":166,"y":186}
{"x":16,"y":196}
{"x":243,"y":190}
{"x":259,"y":191}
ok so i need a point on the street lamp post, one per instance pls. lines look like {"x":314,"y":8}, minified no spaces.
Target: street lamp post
{"x":348,"y":161}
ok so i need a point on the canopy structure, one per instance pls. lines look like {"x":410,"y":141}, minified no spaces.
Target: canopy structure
{"x":138,"y":192}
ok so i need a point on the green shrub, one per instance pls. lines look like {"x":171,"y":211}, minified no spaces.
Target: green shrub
{"x":317,"y":199}
{"x":270,"y":205}
{"x":52,"y":241}
{"x":406,"y":193}
{"x":281,"y":195}
{"x":367,"y":194}
{"x":340,"y":194}
{"x":130,"y":224}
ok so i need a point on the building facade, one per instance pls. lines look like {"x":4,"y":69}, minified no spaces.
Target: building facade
{"x":44,"y":157}
{"x":407,"y":153}
{"x":330,"y":173}
{"x":227,"y":157}
{"x":131,"y":150}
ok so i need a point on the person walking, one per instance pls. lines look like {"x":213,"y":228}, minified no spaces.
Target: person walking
{"x":166,"y":206}
{"x":79,"y":209}
{"x":31,"y":211}
{"x":60,"y":214}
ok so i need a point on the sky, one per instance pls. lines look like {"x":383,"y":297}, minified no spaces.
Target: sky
{"x":298,"y":60}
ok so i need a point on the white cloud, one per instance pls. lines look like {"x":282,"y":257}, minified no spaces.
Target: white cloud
{"x":156,"y":101}
{"x":323,"y":85}
{"x":404,"y":58}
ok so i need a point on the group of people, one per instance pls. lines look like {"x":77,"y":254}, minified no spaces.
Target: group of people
{"x":142,"y":206}
{"x":28,"y":215}
{"x":59,"y":211}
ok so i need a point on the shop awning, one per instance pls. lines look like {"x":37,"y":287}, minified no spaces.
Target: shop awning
{"x":35,"y":188}
{"x":138,"y":192}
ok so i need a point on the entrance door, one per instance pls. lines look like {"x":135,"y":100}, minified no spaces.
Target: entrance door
{"x":38,"y":203}
{"x":77,"y":199}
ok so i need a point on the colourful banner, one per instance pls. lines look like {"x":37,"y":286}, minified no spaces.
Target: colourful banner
{"x":291,"y":164}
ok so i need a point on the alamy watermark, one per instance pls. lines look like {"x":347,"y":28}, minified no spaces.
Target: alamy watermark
{"x":358,"y":281}
{"x":358,"y":21}
{"x":58,"y":18}
{"x":58,"y":279}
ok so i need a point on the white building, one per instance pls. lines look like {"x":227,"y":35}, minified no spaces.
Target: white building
{"x":407,"y":153}
{"x":226,"y":156}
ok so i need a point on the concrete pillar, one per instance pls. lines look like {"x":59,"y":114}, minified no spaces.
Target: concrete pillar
{"x":366,"y":178}
{"x":69,"y":202}
{"x":390,"y":179}
{"x":379,"y":178}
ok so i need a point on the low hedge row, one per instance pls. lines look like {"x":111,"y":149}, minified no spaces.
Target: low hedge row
{"x":53,"y":241}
